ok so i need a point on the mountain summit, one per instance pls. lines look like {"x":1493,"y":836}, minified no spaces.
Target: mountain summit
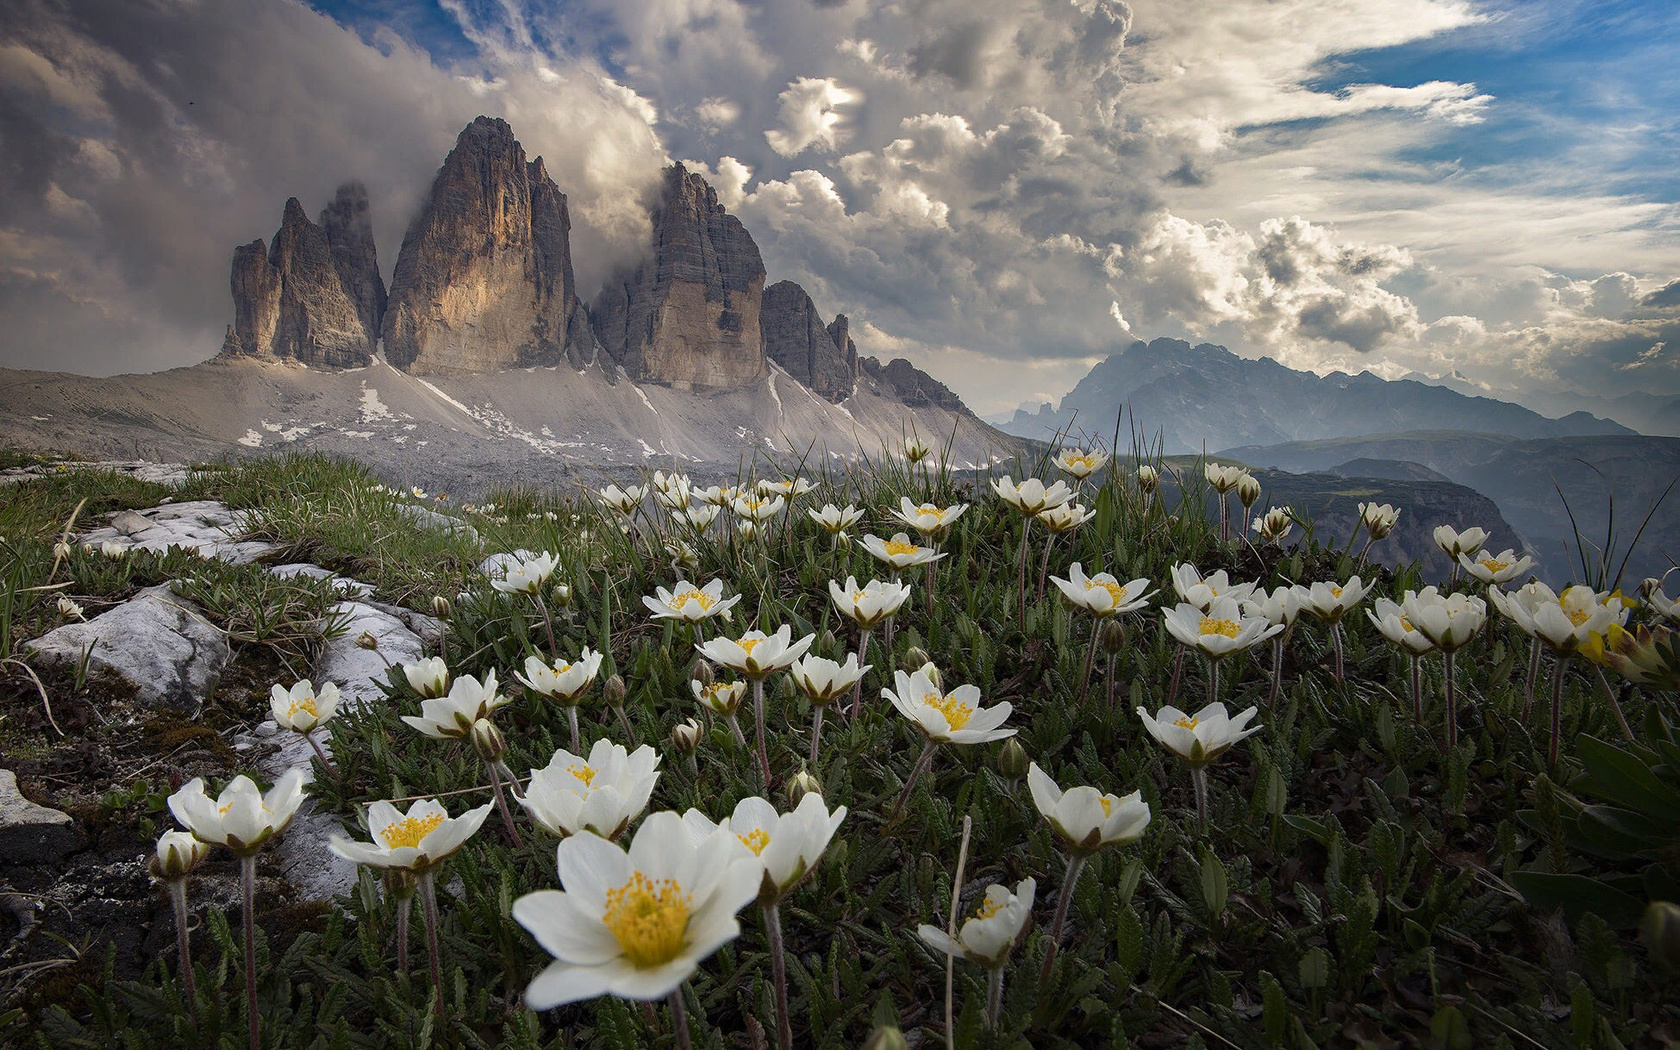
{"x":1204,"y":396}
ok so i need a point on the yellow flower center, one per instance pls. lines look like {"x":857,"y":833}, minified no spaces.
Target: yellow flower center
{"x":1336,"y":592}
{"x":306,"y":703}
{"x":857,"y":596}
{"x":754,"y":504}
{"x":1495,"y":565}
{"x":410,"y":830}
{"x":989,"y":908}
{"x":1209,"y":625}
{"x":682,"y":599}
{"x":649,"y":919}
{"x":1406,"y":625}
{"x":956,"y":713}
{"x":747,"y":644}
{"x":1107,"y":805}
{"x":900,"y":547}
{"x":756,"y":840}
{"x":1185,"y":722}
{"x":1078,"y":461}
{"x":928,"y":508}
{"x":1115,"y":590}
{"x":584,"y":772}
{"x":1577,"y":616}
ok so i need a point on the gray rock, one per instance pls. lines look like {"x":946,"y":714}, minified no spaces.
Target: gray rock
{"x":31,"y":834}
{"x":689,"y":315}
{"x":484,"y":278}
{"x":911,"y":385}
{"x":349,"y":229}
{"x":204,"y":526}
{"x":796,"y":338}
{"x":130,"y":523}
{"x":346,"y":587}
{"x":427,"y":518}
{"x":158,"y":642}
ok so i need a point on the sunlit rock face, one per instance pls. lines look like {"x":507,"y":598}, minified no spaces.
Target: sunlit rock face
{"x":688,"y":315}
{"x":484,"y":278}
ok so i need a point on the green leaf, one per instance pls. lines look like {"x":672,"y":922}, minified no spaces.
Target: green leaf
{"x":1613,"y":774}
{"x":1450,"y":1028}
{"x":1577,"y":895}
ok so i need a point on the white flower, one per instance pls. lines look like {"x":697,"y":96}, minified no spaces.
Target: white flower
{"x":560,"y":681}
{"x":1563,"y":621}
{"x":1391,"y":620}
{"x":702,"y":516}
{"x":451,"y":717}
{"x":1202,"y":737}
{"x":1378,"y":518}
{"x":1496,"y":569}
{"x":429,"y":677}
{"x":69,"y":609}
{"x":899,"y":552}
{"x":417,"y":492}
{"x":787,"y":845}
{"x":635,"y":925}
{"x":1450,"y":622}
{"x":671,"y":484}
{"x":1148,"y":477}
{"x":682,"y":555}
{"x":823,"y":680}
{"x":722,"y":698}
{"x":420,"y":839}
{"x":1454,"y":543}
{"x":624,"y":500}
{"x":178,"y":852}
{"x":689,"y":603}
{"x":601,"y":794}
{"x":791,"y":489}
{"x":988,"y":936}
{"x":1102,"y":594}
{"x":113,"y":550}
{"x":301,"y":708}
{"x":674,"y":500}
{"x":916,"y":450}
{"x":527,"y":576}
{"x":1219,"y":630}
{"x":758,"y":509}
{"x":756,"y":654}
{"x":1079,"y":464}
{"x":241,"y":818}
{"x":948,"y":718}
{"x":835,"y":520}
{"x":1281,"y":606}
{"x":929,"y":519}
{"x":1087,"y":819}
{"x":1666,"y":607}
{"x":1329,"y":601}
{"x":747,"y":530}
{"x":1065,"y":518}
{"x":1274,"y":525}
{"x":717,"y":496}
{"x":870,"y":604}
{"x":1200,"y":592}
{"x":1223,"y":479}
{"x":1031,"y":495}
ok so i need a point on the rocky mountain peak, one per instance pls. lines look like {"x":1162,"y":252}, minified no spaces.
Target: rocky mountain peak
{"x":484,"y":277}
{"x":348,"y":225}
{"x":796,"y":339}
{"x":690,"y":314}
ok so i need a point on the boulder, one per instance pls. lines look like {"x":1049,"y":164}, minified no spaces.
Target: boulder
{"x":689,"y":315}
{"x":158,"y":642}
{"x":32,"y":834}
{"x":484,"y":278}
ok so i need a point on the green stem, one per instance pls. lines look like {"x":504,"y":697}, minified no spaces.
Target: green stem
{"x":1557,"y":712}
{"x":679,"y":1019}
{"x":758,"y":719}
{"x":1076,"y":864}
{"x":183,"y":945}
{"x":248,"y":888}
{"x":1090,"y":657}
{"x":922,"y":762}
{"x":1452,"y":700}
{"x":428,"y":902}
{"x":778,"y":974}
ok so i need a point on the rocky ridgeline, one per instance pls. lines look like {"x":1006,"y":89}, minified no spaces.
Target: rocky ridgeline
{"x":484,"y":281}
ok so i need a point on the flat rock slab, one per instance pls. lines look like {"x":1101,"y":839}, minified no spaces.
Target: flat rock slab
{"x":157,"y":641}
{"x":32,"y":834}
{"x":140,"y":470}
{"x":345,"y":586}
{"x":204,"y":526}
{"x":309,"y":865}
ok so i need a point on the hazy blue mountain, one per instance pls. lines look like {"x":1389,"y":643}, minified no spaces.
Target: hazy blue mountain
{"x":1205,"y":397}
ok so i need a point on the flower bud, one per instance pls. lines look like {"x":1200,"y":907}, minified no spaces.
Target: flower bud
{"x":702,"y":671}
{"x":1111,"y":637}
{"x":400,"y":883}
{"x":61,"y":551}
{"x":933,"y":675}
{"x":827,"y":642}
{"x":802,"y":784}
{"x":487,"y":740}
{"x":366,"y":640}
{"x":1660,"y":930}
{"x":562,"y":595}
{"x":69,"y":609}
{"x":177,"y":854}
{"x":843,"y":540}
{"x":1248,"y":490}
{"x":886,"y":1037}
{"x":916,"y":657}
{"x":1148,"y":477}
{"x":685,"y":737}
{"x":615,"y":691}
{"x":1012,"y":760}
{"x":441,"y":607}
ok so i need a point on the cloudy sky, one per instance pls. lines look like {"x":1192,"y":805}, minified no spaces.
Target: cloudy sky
{"x":1003,"y":191}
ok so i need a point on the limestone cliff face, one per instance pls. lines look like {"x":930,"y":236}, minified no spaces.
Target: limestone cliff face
{"x":913,"y":386}
{"x":796,"y":338}
{"x":690,"y":314}
{"x":484,"y":277}
{"x":293,"y":303}
{"x":349,"y":230}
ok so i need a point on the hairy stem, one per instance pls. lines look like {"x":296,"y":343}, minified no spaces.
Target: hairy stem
{"x":502,"y":806}
{"x":778,"y":974}
{"x":248,"y":888}
{"x":428,"y":903}
{"x":1199,"y":781}
{"x":1090,"y":657}
{"x":857,"y":690}
{"x":404,"y":906}
{"x":1076,"y":864}
{"x":679,"y":1019}
{"x":1533,"y":676}
{"x":1277,"y":670}
{"x":1557,"y":712}
{"x":994,"y":996}
{"x":758,"y":719}
{"x":922,"y":762}
{"x":816,"y":733}
{"x":183,"y":946}
{"x":1452,"y":700}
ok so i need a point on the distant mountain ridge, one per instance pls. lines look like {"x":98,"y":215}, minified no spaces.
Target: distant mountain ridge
{"x":1204,"y":396}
